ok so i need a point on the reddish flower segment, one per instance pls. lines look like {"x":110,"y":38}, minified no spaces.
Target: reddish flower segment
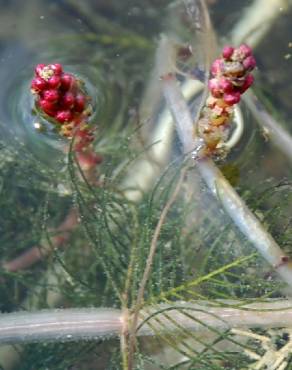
{"x":61,"y":96}
{"x":58,"y":94}
{"x":231,"y":77}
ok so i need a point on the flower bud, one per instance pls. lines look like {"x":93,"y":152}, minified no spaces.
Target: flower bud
{"x":216,"y":67}
{"x":51,"y":95}
{"x":80,"y":102}
{"x":54,"y":82}
{"x":38,"y":84}
{"x":225,"y":85}
{"x":48,"y":107}
{"x":66,"y":81}
{"x":63,"y":116}
{"x":232,"y":98}
{"x":57,"y":68}
{"x":227,"y":52}
{"x":249,"y":79}
{"x":68,"y":100}
{"x":249,"y":63}
{"x":245,"y":50}
{"x":38,"y":69}
{"x":214,"y":88}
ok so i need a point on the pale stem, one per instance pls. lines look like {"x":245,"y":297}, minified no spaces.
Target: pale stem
{"x":272,"y":130}
{"x":243,"y":218}
{"x":270,"y":314}
{"x":197,"y":11}
{"x":59,"y":325}
{"x":95,"y":324}
{"x":256,"y":21}
{"x":53,"y":276}
{"x":148,"y":267}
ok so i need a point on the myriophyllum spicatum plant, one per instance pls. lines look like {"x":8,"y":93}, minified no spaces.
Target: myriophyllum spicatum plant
{"x":61,"y":99}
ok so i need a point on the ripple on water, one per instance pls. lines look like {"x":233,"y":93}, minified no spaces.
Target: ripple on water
{"x":20,"y":126}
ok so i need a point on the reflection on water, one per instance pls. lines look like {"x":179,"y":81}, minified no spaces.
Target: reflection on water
{"x":93,"y":46}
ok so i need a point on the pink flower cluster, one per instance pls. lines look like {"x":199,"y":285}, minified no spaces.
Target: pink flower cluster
{"x":60,"y":96}
{"x":231,"y":74}
{"x":231,"y":77}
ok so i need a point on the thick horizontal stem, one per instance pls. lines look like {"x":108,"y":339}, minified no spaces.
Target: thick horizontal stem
{"x":198,"y":316}
{"x":95,"y":324}
{"x":59,"y":325}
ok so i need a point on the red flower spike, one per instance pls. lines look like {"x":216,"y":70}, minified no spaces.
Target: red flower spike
{"x":51,"y":95}
{"x":231,"y":78}
{"x":54,"y":82}
{"x":63,"y":116}
{"x":60,"y":96}
{"x":227,"y":52}
{"x":38,"y":84}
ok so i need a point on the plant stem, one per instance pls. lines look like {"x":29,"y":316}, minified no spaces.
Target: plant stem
{"x":277,"y":134}
{"x":198,"y":13}
{"x":219,"y":186}
{"x":89,"y":324}
{"x":37,"y":253}
{"x":148,"y":266}
{"x":244,"y":219}
{"x":59,"y":325}
{"x":222,"y":315}
{"x":256,"y":21}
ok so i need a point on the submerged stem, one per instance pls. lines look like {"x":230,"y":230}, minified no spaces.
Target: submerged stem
{"x":148,"y":266}
{"x":247,"y":223}
{"x":89,"y":324}
{"x":222,"y":315}
{"x":200,"y":18}
{"x":273,"y":130}
{"x":59,"y":325}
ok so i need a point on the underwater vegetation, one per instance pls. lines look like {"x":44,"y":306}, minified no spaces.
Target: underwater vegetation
{"x":145,"y":180}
